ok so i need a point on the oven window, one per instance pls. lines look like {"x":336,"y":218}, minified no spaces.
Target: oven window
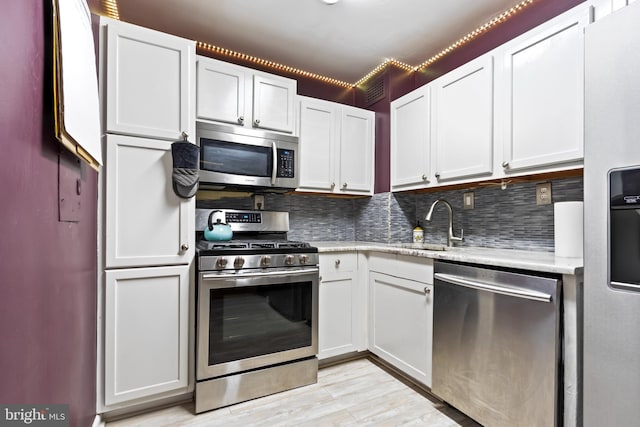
{"x":234,"y":158}
{"x":258,"y":320}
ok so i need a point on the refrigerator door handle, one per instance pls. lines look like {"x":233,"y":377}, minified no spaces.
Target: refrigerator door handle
{"x":512,"y":291}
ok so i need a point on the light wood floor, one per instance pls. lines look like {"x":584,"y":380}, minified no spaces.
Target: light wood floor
{"x":354,"y":393}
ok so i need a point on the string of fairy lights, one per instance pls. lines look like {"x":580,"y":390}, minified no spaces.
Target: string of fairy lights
{"x":111,"y":10}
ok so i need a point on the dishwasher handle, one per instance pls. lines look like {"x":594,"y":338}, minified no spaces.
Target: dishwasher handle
{"x":494,"y":287}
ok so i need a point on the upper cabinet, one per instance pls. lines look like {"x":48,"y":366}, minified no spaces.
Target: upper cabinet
{"x":411,"y":140}
{"x":238,"y":95}
{"x":138,"y":62}
{"x":516,"y":110}
{"x":336,"y":148}
{"x":357,"y":140}
{"x":463,"y":121}
{"x":542,"y":86}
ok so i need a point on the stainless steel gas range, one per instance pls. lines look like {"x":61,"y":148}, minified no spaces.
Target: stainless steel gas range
{"x":257,"y":302}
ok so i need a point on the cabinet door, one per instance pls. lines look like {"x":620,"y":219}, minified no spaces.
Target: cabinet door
{"x":543,"y":86}
{"x":318,"y":142}
{"x":146,"y":332}
{"x":463,"y":126}
{"x":221,"y":91}
{"x":356,"y":151}
{"x":150,"y":85}
{"x":147,"y":224}
{"x":401,"y":325}
{"x":273,"y":103}
{"x":338,"y":306}
{"x":335,"y":323}
{"x":411,"y":140}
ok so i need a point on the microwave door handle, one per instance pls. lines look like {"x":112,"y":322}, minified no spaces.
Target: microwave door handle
{"x":274,"y":168}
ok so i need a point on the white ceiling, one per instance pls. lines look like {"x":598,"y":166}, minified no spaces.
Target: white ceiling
{"x":344,"y":41}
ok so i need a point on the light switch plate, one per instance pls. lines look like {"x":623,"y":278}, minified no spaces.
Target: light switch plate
{"x":543,"y":193}
{"x":468,"y":200}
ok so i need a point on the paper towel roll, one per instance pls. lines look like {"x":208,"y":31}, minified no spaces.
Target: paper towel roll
{"x":568,"y":229}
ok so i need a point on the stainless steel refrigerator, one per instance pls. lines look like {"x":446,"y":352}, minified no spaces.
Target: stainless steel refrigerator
{"x":611,"y":338}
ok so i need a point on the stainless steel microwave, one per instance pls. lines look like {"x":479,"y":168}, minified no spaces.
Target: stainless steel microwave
{"x":233,"y":157}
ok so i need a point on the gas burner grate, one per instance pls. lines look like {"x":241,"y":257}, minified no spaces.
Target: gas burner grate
{"x":263,"y":245}
{"x":293,"y":245}
{"x":203,"y":244}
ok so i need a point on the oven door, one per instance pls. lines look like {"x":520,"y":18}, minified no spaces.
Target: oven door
{"x":256,"y":319}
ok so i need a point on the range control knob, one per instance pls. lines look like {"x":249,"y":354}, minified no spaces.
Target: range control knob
{"x":238,"y":262}
{"x":288,"y":260}
{"x":304,"y":259}
{"x":221,"y":263}
{"x":265,"y":261}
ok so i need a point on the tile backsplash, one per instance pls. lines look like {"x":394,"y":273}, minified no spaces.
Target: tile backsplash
{"x":506,"y":218}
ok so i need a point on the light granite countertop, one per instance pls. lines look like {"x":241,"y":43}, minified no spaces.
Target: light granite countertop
{"x":545,"y":262}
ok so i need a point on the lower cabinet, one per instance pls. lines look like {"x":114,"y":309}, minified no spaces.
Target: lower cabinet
{"x":401,"y":313}
{"x":146,"y":332}
{"x":341,"y":325}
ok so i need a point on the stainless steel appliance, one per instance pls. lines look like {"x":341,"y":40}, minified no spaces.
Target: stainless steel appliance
{"x":257,"y":310}
{"x":246,"y":158}
{"x":611,"y":342}
{"x":496,"y":345}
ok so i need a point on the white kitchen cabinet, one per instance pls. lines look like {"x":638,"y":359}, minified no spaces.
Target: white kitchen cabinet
{"x":220,"y":91}
{"x":463,"y":121}
{"x":146,"y":223}
{"x":340,"y":319}
{"x":336,"y":148}
{"x":541,"y":82}
{"x":357,"y":140}
{"x":150,"y":82}
{"x":146,"y":332}
{"x":401,"y":313}
{"x":229,"y":93}
{"x":411,"y":140}
{"x":319,"y":121}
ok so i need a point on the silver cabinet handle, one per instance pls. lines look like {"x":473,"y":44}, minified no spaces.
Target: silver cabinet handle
{"x":337,"y":263}
{"x":333,"y":185}
{"x":427,"y":291}
{"x":424,"y":177}
{"x":512,"y":291}
{"x":256,"y":122}
{"x":344,"y":186}
{"x":505,"y":164}
{"x":184,"y":135}
{"x":437,"y":175}
{"x":184,"y":247}
{"x":241,"y":119}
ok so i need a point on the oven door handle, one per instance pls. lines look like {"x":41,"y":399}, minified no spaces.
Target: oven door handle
{"x":274,"y":167}
{"x":261,"y":274}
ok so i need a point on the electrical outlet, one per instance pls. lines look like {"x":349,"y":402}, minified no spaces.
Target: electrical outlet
{"x":543,"y":193}
{"x":258,"y":202}
{"x":467,"y":200}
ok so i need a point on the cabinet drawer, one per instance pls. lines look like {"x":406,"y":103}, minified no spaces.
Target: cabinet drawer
{"x":338,"y":262}
{"x":415,"y":268}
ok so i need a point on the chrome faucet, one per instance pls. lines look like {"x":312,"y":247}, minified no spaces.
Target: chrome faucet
{"x":450,"y":237}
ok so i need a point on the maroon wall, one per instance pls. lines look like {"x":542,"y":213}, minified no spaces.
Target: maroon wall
{"x":47,"y":267}
{"x":399,"y":82}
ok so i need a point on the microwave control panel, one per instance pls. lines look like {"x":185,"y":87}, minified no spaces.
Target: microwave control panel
{"x":285,"y":164}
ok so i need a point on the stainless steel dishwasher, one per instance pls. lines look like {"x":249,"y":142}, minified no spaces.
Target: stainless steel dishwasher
{"x":496,"y":345}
